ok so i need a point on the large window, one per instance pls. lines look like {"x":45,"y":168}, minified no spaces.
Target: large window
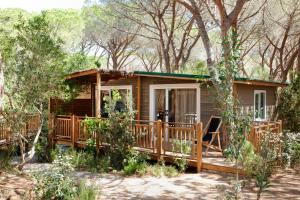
{"x":125,"y":103}
{"x":175,"y":103}
{"x":260,"y":105}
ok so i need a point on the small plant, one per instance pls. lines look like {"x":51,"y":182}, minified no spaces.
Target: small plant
{"x":57,"y":184}
{"x":291,"y":147}
{"x":5,"y":158}
{"x":115,"y":131}
{"x":182,"y":148}
{"x":159,"y":170}
{"x":136,"y":163}
{"x":90,"y":145}
{"x":259,"y":165}
{"x":85,"y":192}
{"x":42,"y":152}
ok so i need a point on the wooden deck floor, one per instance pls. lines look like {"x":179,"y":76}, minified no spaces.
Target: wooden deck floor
{"x":214,"y":161}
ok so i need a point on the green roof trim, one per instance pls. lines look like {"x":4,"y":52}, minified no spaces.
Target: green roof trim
{"x":194,"y":76}
{"x":200,"y":76}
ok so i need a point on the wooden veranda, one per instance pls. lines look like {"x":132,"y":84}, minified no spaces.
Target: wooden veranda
{"x":159,"y":138}
{"x":29,"y":129}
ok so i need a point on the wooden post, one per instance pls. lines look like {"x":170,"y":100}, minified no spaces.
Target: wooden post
{"x":159,"y":139}
{"x":280,"y":126}
{"x":73,"y":130}
{"x":98,"y":95}
{"x":199,"y":146}
{"x":138,"y":101}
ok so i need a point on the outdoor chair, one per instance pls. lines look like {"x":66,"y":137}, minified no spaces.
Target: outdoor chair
{"x":212,"y":133}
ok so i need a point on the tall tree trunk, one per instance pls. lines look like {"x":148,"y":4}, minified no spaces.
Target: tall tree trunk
{"x":1,"y":84}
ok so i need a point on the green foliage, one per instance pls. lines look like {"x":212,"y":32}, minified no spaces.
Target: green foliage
{"x":79,"y":159}
{"x":6,"y":157}
{"x":115,"y":130}
{"x":56,"y":183}
{"x":160,"y":170}
{"x":34,"y":71}
{"x":182,"y":148}
{"x":90,"y":145}
{"x":197,"y":68}
{"x":136,"y":163}
{"x":260,"y":165}
{"x":291,"y":149}
{"x":86,"y":192}
{"x":79,"y":61}
{"x":289,"y":105}
{"x":42,"y":151}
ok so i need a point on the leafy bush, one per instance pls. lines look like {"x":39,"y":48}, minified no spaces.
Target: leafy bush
{"x":5,"y":158}
{"x":136,"y":163}
{"x":42,"y":151}
{"x":260,"y":165}
{"x":159,"y":170}
{"x":115,"y":131}
{"x":56,"y":183}
{"x":182,"y":148}
{"x":86,"y":192}
{"x":90,"y":145}
{"x":291,"y":147}
{"x":289,"y":105}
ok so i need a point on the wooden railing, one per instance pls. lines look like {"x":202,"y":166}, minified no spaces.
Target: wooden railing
{"x":30,"y":128}
{"x":159,"y":138}
{"x":156,"y":137}
{"x":271,"y":130}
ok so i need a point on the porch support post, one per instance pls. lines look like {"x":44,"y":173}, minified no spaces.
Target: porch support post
{"x":98,"y":95}
{"x":138,"y":101}
{"x":50,"y":125}
{"x":199,"y":146}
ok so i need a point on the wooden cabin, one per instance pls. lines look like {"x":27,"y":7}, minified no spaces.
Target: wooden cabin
{"x":169,"y":107}
{"x":182,"y":98}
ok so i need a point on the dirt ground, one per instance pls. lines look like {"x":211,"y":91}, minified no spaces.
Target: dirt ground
{"x":284,"y":185}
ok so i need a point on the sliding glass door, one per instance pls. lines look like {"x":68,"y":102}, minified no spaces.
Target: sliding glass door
{"x":175,"y":103}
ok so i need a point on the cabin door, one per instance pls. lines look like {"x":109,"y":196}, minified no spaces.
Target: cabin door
{"x":175,"y":104}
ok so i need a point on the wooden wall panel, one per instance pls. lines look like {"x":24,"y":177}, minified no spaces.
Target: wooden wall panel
{"x":79,"y":107}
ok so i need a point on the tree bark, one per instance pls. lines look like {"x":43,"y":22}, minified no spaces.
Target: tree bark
{"x":1,"y":84}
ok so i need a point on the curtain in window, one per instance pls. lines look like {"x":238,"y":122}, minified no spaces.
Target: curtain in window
{"x":183,"y":105}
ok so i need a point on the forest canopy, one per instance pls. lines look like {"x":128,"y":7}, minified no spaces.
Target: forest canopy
{"x":165,"y":35}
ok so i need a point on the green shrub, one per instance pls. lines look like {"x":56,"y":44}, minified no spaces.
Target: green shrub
{"x":260,"y":165}
{"x":42,"y":151}
{"x":5,"y":158}
{"x":56,"y":183}
{"x":85,"y":192}
{"x":291,"y":149}
{"x":289,"y":105}
{"x":136,"y":163}
{"x":182,"y":148}
{"x":159,"y":170}
{"x":90,"y":145}
{"x":115,"y":130}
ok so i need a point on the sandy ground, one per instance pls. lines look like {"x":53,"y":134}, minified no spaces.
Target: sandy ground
{"x":284,"y":185}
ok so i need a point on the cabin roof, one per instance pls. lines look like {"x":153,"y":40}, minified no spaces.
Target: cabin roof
{"x":90,"y":75}
{"x":242,"y":80}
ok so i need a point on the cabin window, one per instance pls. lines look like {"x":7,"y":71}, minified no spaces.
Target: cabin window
{"x":121,"y":105}
{"x":175,"y":103}
{"x":260,"y":105}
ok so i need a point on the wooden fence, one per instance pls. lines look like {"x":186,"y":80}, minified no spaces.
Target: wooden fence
{"x":160,"y":139}
{"x":30,"y":128}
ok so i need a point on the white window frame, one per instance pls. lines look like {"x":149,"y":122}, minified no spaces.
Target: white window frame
{"x":119,"y":87}
{"x":260,"y":92}
{"x":153,"y":87}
